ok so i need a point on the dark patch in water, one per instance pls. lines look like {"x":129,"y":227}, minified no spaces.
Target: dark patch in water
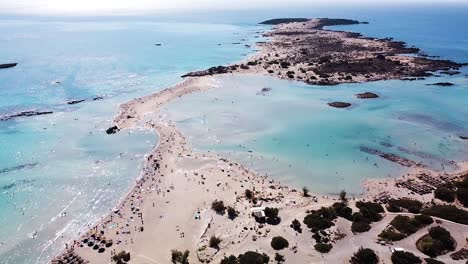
{"x":20,"y":167}
{"x":390,"y":157}
{"x":428,"y":120}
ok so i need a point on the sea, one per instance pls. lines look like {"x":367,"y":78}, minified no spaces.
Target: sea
{"x":59,"y":173}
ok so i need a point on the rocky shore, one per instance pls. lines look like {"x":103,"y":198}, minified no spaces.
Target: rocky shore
{"x":301,"y":49}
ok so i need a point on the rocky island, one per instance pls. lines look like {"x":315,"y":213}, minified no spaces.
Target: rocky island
{"x":303,"y":50}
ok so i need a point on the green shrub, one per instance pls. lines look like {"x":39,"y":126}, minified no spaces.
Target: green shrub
{"x":391,"y":235}
{"x":121,"y":257}
{"x":214,"y":242}
{"x":403,"y":257}
{"x":279,"y":258}
{"x":462,"y":196}
{"x":374,"y":207}
{"x":437,"y":242}
{"x":323,"y":248}
{"x":364,"y":256}
{"x":445,"y":194}
{"x":296,"y":225}
{"x":448,"y":212}
{"x":413,"y":206}
{"x":360,"y":227}
{"x":278,"y":243}
{"x":179,"y":257}
{"x":249,"y":194}
{"x":272,"y":215}
{"x":320,"y":219}
{"x":230,"y":260}
{"x":250,"y":257}
{"x":342,"y":210}
{"x":232,"y":213}
{"x":433,"y":261}
{"x":405,"y":224}
{"x":218,"y":207}
{"x":424,"y":219}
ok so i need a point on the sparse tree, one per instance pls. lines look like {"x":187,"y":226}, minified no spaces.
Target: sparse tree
{"x":177,"y":257}
{"x":343,"y":196}
{"x":279,"y":258}
{"x":305,"y":191}
{"x":232,"y":213}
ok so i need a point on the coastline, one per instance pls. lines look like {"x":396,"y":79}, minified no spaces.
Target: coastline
{"x":153,"y":185}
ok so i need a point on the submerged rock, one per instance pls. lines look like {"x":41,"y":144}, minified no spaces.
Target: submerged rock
{"x":339,"y":104}
{"x":464,"y":137}
{"x":8,"y":65}
{"x":25,"y":113}
{"x":112,"y":130}
{"x":367,"y":95}
{"x":72,"y":102}
{"x":442,"y":84}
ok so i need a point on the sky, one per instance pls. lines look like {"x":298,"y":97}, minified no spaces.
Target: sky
{"x":146,"y":6}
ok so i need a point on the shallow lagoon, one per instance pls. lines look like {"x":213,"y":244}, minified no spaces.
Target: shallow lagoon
{"x":292,"y":134}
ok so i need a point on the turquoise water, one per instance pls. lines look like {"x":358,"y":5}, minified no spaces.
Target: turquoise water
{"x":66,"y":163}
{"x":292,"y":134}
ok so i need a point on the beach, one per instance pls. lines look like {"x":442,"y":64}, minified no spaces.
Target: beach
{"x":170,"y":205}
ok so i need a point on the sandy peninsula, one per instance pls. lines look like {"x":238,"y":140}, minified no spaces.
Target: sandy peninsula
{"x":175,"y":203}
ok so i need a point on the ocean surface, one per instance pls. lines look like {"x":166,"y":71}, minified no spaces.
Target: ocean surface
{"x":61,"y":172}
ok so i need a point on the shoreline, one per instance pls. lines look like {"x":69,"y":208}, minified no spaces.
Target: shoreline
{"x":152,"y":184}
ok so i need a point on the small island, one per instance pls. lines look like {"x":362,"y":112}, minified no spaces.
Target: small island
{"x":339,"y":104}
{"x":367,"y":95}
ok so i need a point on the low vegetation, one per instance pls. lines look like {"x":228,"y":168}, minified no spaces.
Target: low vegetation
{"x":218,"y":207}
{"x":364,"y":256}
{"x":278,"y":243}
{"x":433,"y":261}
{"x":320,"y":219}
{"x":279,"y":258}
{"x":214,"y":242}
{"x":249,"y":257}
{"x":437,"y":242}
{"x":368,"y":212}
{"x":179,"y":257}
{"x":403,"y":257}
{"x":323,"y":248}
{"x":272,"y":215}
{"x":448,"y":212}
{"x":403,"y":226}
{"x":232,"y":213}
{"x":121,"y":258}
{"x":296,"y":225}
{"x":404,"y":204}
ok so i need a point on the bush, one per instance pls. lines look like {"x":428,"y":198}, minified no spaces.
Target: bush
{"x":249,"y":194}
{"x":433,"y":261}
{"x":230,"y":260}
{"x":320,"y":219}
{"x":232,"y":213}
{"x":364,"y":256}
{"x":279,"y":258}
{"x":448,"y":212}
{"x":121,"y":257}
{"x":218,"y":207}
{"x":323,"y":248}
{"x":412,"y":206}
{"x":342,"y":210}
{"x":278,"y":243}
{"x":272,"y":215}
{"x":360,"y":227}
{"x":403,"y":257}
{"x":214,"y":242}
{"x":305,"y":191}
{"x":253,"y":257}
{"x":179,"y":257}
{"x":462,"y":196}
{"x":391,"y":235}
{"x":424,"y":219}
{"x":437,"y":242}
{"x":296,"y":225}
{"x":405,"y":224}
{"x":445,"y":194}
{"x":374,"y":207}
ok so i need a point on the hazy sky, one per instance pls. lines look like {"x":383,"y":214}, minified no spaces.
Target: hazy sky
{"x":141,"y":6}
